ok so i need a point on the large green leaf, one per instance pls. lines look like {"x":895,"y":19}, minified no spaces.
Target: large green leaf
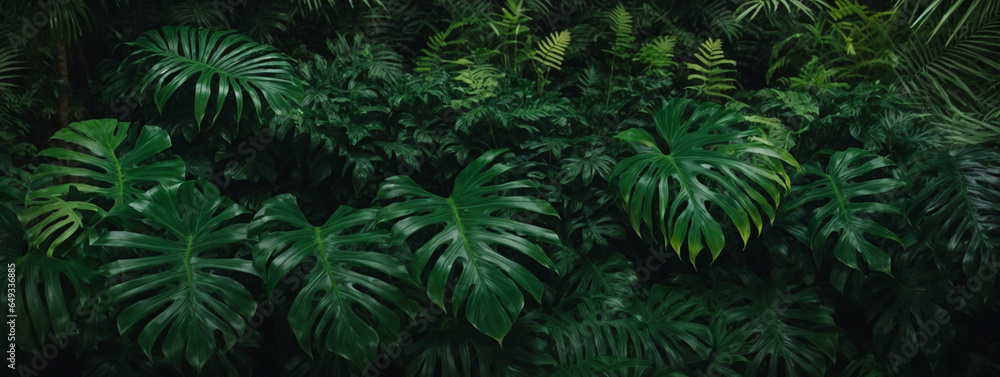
{"x":117,"y":172}
{"x":785,"y":327}
{"x":339,"y":302}
{"x":219,"y":62}
{"x":696,"y":170}
{"x":839,"y":189}
{"x":48,"y":290}
{"x":471,"y":237}
{"x":957,"y":206}
{"x":908,"y":309}
{"x":184,"y":297}
{"x":662,"y":325}
{"x":101,"y":164}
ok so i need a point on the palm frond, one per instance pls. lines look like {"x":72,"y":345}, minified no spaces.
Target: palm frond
{"x":9,"y":64}
{"x":749,"y":9}
{"x":180,"y":55}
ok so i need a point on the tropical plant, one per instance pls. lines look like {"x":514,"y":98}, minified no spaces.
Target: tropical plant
{"x":697,"y":164}
{"x":549,"y":55}
{"x":179,"y":55}
{"x":327,"y":314}
{"x":749,"y":9}
{"x":472,"y":238}
{"x":8,"y":64}
{"x":52,"y":212}
{"x":840,"y":188}
{"x":955,"y":203}
{"x":710,"y":73}
{"x":184,"y":296}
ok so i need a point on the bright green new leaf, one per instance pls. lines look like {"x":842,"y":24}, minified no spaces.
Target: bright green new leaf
{"x":102,"y":167}
{"x":108,"y":168}
{"x":701,"y":165}
{"x":338,"y":308}
{"x":470,"y":237}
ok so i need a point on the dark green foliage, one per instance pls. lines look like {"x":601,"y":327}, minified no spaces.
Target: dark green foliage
{"x":441,"y":187}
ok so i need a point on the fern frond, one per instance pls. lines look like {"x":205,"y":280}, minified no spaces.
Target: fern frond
{"x":435,"y":46}
{"x":550,"y":52}
{"x":711,"y":72}
{"x":621,"y":25}
{"x":658,"y":55}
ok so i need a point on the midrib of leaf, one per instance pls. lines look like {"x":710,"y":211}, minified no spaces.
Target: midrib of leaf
{"x":465,"y":240}
{"x":190,"y":273}
{"x":680,"y":177}
{"x":970,"y":207}
{"x":840,"y":201}
{"x":207,"y":66}
{"x":318,"y":234}
{"x":121,"y":177}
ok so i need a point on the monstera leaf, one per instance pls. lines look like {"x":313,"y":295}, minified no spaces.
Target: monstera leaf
{"x":661,"y":325}
{"x":101,"y":164}
{"x":785,"y":329}
{"x":672,"y":185}
{"x":471,"y":237}
{"x":183,"y":296}
{"x":957,"y":207}
{"x":44,"y":302}
{"x":838,"y":189}
{"x":339,"y":302}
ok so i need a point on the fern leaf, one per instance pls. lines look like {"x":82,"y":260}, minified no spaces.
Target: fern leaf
{"x":711,"y":72}
{"x":550,"y":52}
{"x":658,"y":55}
{"x":621,"y":25}
{"x":435,"y":45}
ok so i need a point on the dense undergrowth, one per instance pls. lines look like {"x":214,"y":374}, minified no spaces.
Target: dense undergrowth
{"x":501,"y":188}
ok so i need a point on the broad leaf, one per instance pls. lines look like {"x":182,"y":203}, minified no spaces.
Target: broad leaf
{"x":470,"y":237}
{"x":101,"y":165}
{"x":338,"y":308}
{"x":957,"y":208}
{"x":117,"y":172}
{"x":184,"y":297}
{"x":662,"y":326}
{"x":671,"y":186}
{"x":787,"y":329}
{"x":44,"y":303}
{"x":838,"y":190}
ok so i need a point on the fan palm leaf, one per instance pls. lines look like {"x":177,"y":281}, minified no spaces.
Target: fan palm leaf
{"x":218,"y":62}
